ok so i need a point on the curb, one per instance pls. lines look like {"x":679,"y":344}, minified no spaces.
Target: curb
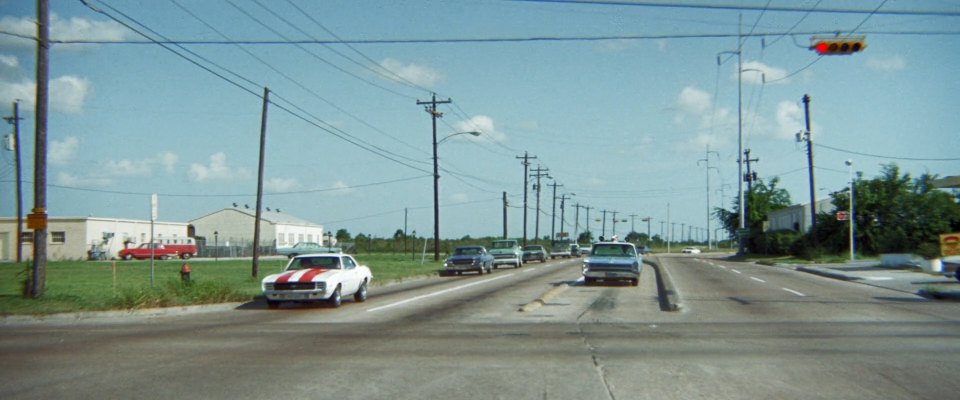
{"x":666,"y":293}
{"x":544,"y":298}
{"x":828,"y":274}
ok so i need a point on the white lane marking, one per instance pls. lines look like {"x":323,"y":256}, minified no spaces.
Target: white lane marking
{"x":879,"y":278}
{"x":736,"y":271}
{"x":795,"y":292}
{"x":720,"y":266}
{"x":758,"y":279}
{"x":421,"y":297}
{"x":530,"y":269}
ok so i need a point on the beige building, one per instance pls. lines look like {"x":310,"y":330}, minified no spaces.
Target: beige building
{"x":796,"y":217}
{"x":71,"y":238}
{"x":234,"y":226}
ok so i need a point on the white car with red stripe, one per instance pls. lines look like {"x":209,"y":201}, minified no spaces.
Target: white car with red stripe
{"x":318,"y":277}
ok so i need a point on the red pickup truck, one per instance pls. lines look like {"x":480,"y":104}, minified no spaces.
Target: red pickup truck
{"x":160,"y":251}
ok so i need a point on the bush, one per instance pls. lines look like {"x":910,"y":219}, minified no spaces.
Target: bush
{"x":776,"y":243}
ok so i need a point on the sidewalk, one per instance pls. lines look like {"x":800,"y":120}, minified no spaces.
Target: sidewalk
{"x":904,"y":279}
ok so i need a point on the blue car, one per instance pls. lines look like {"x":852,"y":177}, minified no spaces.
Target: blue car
{"x":468,"y":258}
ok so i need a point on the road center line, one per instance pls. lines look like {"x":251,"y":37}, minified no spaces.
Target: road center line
{"x":795,"y":292}
{"x":758,"y":279}
{"x":421,"y":297}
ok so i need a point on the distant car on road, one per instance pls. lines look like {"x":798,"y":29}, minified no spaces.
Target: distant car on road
{"x":534,"y":252}
{"x":690,"y":250}
{"x":506,"y":252}
{"x":612,"y":261}
{"x":318,"y":277}
{"x":305,"y":248}
{"x":643,"y":249}
{"x":468,"y":258}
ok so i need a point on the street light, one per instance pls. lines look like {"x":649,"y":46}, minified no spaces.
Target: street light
{"x":436,"y":191}
{"x":216,"y":246}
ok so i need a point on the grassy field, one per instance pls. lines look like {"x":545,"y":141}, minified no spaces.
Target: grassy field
{"x":73,"y":286}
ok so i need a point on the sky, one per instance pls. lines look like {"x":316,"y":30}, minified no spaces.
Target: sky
{"x":632,"y":108}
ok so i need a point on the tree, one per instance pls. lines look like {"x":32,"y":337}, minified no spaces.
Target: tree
{"x":764,"y":198}
{"x":585,"y":237}
{"x":343,"y":235}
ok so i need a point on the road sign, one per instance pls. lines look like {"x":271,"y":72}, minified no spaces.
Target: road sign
{"x":842,"y":216}
{"x":950,"y":244}
{"x":743,"y":232}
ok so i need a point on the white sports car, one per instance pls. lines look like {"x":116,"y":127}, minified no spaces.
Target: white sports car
{"x":318,"y":277}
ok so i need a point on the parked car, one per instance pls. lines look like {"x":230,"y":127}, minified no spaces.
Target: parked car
{"x":318,"y":277}
{"x":643,"y":250}
{"x":612,"y":261}
{"x":468,"y":258}
{"x":534,"y":252}
{"x":305,"y":248}
{"x":690,"y":250}
{"x":159,"y":251}
{"x":506,"y":252}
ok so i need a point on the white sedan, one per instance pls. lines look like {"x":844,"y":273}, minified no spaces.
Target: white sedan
{"x":690,"y":250}
{"x":318,"y":277}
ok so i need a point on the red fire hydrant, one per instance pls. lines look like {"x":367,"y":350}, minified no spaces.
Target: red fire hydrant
{"x":185,"y":272}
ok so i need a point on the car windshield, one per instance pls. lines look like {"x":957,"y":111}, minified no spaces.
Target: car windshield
{"x":531,"y":248}
{"x":314,"y":262}
{"x":614,"y":251}
{"x":503,"y":245}
{"x":466,"y":251}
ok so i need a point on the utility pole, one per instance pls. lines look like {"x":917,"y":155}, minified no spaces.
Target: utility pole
{"x":538,"y":173}
{"x":553,"y":214}
{"x":588,"y":219}
{"x":576,"y":222}
{"x":526,"y":167}
{"x":813,"y":194}
{"x":38,"y":216}
{"x":15,"y":120}
{"x":563,"y":200}
{"x":647,"y":220}
{"x":613,"y":231}
{"x":749,"y":177}
{"x":603,"y":224}
{"x":256,"y":223}
{"x":431,"y":108}
{"x":706,"y":161}
{"x":505,"y":217}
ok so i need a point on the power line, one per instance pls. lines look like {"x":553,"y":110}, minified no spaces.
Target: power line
{"x":885,"y":157}
{"x":748,"y":7}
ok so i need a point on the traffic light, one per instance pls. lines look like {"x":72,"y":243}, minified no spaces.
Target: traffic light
{"x":828,"y":46}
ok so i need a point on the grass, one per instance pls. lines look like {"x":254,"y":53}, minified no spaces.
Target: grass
{"x":73,"y":286}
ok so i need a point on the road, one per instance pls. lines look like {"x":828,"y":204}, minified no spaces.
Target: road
{"x":743,"y":331}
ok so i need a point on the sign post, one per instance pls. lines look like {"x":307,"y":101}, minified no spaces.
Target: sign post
{"x":153,"y":217}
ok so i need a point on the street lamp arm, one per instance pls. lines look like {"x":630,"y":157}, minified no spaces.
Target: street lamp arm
{"x":474,"y":133}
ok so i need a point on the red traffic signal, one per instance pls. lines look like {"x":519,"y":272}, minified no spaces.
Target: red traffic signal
{"x":837,"y":45}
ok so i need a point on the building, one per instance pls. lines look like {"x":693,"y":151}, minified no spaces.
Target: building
{"x":797,"y":217}
{"x":71,"y":238}
{"x":231,"y":227}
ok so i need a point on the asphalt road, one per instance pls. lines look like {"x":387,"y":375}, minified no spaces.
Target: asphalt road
{"x":742,"y":331}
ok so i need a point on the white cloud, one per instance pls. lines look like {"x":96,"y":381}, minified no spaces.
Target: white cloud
{"x":342,"y":188}
{"x":216,"y":170}
{"x":420,"y":75}
{"x":142,"y":167}
{"x":280,"y":185}
{"x":60,"y":29}
{"x":694,"y":101}
{"x":886,"y":64}
{"x":61,"y":152}
{"x":457,"y":198}
{"x":482,"y":124}
{"x":758,"y":73}
{"x":67,"y":179}
{"x":789,"y":120}
{"x":68,"y":93}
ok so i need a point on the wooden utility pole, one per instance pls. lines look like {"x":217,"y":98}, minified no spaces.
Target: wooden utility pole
{"x":813,"y":187}
{"x":263,"y":145}
{"x":538,"y":173}
{"x":553,"y":214}
{"x":505,"y":216}
{"x":431,"y":108}
{"x":526,"y":168}
{"x":38,"y":216}
{"x":15,"y":120}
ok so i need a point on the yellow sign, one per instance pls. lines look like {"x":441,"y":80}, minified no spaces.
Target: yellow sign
{"x":950,"y":244}
{"x":36,"y":221}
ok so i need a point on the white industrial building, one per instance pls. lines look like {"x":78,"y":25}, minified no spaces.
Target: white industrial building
{"x":234,"y":226}
{"x":70,"y":238}
{"x":796,"y":217}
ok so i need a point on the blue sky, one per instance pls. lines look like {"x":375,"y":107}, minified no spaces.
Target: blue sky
{"x":620,"y":123}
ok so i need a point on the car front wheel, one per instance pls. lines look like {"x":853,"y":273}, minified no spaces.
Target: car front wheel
{"x":335,"y":299}
{"x":361,"y":295}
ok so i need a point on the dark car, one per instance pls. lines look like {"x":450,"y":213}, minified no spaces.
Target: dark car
{"x":534,"y":252}
{"x":468,"y":258}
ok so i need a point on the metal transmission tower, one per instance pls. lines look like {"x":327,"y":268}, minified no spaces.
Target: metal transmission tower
{"x":526,"y":168}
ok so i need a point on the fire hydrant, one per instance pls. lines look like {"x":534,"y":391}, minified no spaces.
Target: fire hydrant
{"x":185,"y":272}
